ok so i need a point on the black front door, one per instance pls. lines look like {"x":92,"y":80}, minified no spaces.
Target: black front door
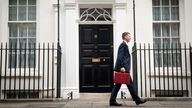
{"x":96,"y":58}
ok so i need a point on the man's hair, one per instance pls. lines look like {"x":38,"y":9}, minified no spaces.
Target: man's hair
{"x":124,"y":34}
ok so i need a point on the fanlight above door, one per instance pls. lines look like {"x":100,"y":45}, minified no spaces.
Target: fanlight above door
{"x":95,"y":14}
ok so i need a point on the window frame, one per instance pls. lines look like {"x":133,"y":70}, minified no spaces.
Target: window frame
{"x":18,"y":23}
{"x":170,"y":22}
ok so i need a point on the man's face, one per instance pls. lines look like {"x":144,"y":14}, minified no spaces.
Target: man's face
{"x":128,"y":37}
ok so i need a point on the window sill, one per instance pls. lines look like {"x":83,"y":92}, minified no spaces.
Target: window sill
{"x":27,"y":22}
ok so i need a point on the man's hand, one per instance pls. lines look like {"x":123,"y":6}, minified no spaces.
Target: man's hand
{"x":122,"y":69}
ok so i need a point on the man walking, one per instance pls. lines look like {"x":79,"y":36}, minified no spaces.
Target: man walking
{"x":123,"y":65}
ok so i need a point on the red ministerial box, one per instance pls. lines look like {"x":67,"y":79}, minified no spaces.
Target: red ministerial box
{"x":122,"y":78}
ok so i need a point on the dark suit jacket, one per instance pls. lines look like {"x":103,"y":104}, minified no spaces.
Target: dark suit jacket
{"x":123,"y":58}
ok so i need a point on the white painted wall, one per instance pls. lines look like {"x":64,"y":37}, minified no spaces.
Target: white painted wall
{"x":187,"y":19}
{"x":70,"y":44}
{"x":144,"y":21}
{"x":4,"y":19}
{"x":45,"y":21}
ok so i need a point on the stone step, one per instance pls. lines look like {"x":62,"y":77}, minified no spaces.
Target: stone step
{"x":98,"y":96}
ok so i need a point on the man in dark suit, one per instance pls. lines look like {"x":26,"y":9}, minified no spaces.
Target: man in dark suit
{"x":123,"y":64}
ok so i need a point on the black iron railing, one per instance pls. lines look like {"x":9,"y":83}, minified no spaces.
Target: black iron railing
{"x":162,"y":71}
{"x":29,"y":71}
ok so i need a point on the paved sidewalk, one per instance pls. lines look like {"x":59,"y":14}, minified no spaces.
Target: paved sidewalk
{"x":97,"y":103}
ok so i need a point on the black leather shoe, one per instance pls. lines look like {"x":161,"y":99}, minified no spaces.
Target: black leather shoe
{"x":115,"y":104}
{"x":141,"y":102}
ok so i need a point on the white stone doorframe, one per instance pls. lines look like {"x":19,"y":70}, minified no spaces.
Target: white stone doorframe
{"x":70,"y":42}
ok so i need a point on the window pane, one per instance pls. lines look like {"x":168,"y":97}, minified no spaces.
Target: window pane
{"x":101,"y":18}
{"x":23,"y":42}
{"x":31,"y":60}
{"x":32,"y":42}
{"x":169,"y":59}
{"x":175,"y":42}
{"x":175,"y":30}
{"x":22,"y":2}
{"x":166,"y":43}
{"x":157,"y":43}
{"x":22,"y":30}
{"x":165,"y":2}
{"x":179,"y":59}
{"x":109,"y":10}
{"x":90,"y":18}
{"x":32,"y":2}
{"x":32,"y":30}
{"x":156,"y":14}
{"x":174,"y":2}
{"x":175,"y":13}
{"x":156,"y":2}
{"x":165,"y":30}
{"x":13,"y":30}
{"x":157,"y":30}
{"x":12,"y":13}
{"x":32,"y":13}
{"x":12,"y":42}
{"x":22,"y":13}
{"x":165,"y":13}
{"x":165,"y":59}
{"x":12,"y":59}
{"x":158,"y":58}
{"x":12,"y":2}
{"x":23,"y":60}
{"x":83,"y":18}
{"x":176,"y":60}
{"x":108,"y":18}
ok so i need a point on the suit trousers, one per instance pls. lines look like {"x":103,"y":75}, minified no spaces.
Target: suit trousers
{"x":131,"y":89}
